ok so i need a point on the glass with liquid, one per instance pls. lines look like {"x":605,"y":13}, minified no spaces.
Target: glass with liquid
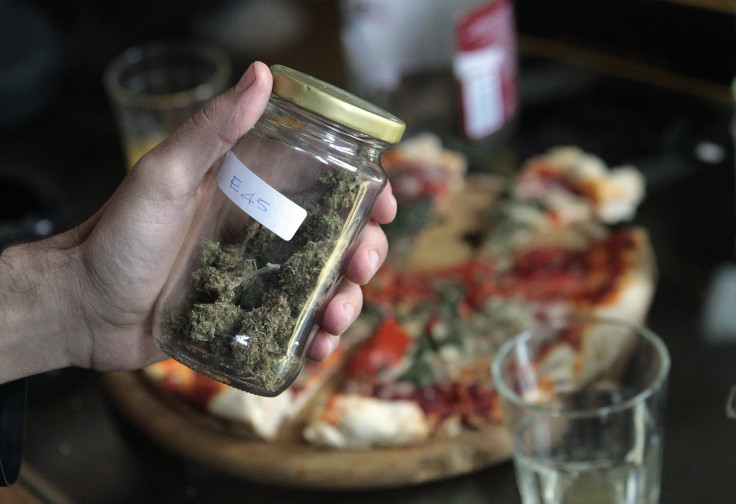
{"x":154,"y":88}
{"x":584,"y":401}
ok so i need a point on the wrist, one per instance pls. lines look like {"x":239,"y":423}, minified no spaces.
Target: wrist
{"x":35,"y":310}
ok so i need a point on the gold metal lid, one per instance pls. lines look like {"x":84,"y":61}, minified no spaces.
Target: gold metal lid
{"x":336,"y":105}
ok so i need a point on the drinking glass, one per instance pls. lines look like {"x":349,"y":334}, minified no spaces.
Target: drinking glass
{"x":584,"y":401}
{"x":157,"y":86}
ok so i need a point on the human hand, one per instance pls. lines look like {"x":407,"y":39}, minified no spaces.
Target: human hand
{"x":105,"y":275}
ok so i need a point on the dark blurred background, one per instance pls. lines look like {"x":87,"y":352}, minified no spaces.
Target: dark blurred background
{"x":52,"y":54}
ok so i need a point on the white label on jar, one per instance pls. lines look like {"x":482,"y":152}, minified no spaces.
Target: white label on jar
{"x":258,"y":199}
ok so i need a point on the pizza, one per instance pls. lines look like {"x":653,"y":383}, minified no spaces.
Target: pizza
{"x":480,"y":259}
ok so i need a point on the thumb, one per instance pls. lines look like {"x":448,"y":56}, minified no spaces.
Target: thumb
{"x":176,"y":166}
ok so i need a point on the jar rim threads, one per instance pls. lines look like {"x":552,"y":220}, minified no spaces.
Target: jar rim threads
{"x":336,"y":104}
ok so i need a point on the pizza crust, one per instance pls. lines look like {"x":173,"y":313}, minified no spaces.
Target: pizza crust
{"x":633,"y":297}
{"x":578,"y":186}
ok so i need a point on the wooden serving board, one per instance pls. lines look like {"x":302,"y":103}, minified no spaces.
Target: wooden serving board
{"x":290,"y":461}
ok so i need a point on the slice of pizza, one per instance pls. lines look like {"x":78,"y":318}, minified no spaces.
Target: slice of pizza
{"x":256,"y":416}
{"x":376,"y":405}
{"x":563,"y":188}
{"x":555,"y":197}
{"x":576,"y":186}
{"x":424,"y":373}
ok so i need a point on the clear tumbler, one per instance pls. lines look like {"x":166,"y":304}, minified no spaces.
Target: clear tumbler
{"x":584,"y":401}
{"x":155,"y":87}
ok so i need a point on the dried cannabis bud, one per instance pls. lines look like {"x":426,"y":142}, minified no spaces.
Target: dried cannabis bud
{"x":299,"y":274}
{"x":208,"y":320}
{"x":260,"y":344}
{"x":246,"y":308}
{"x":341,"y":189}
{"x":320,"y":227}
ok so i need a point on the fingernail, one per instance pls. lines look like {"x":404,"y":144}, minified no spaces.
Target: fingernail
{"x":246,"y":80}
{"x":349,"y":314}
{"x":374,"y":261}
{"x":334,"y":342}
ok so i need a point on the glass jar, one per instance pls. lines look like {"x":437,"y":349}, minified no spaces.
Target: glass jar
{"x":275,"y":228}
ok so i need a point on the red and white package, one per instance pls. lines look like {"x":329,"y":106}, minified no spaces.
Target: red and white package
{"x":485,"y":66}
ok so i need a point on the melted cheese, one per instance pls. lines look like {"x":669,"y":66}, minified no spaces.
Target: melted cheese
{"x":263,"y":414}
{"x":365,"y":422}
